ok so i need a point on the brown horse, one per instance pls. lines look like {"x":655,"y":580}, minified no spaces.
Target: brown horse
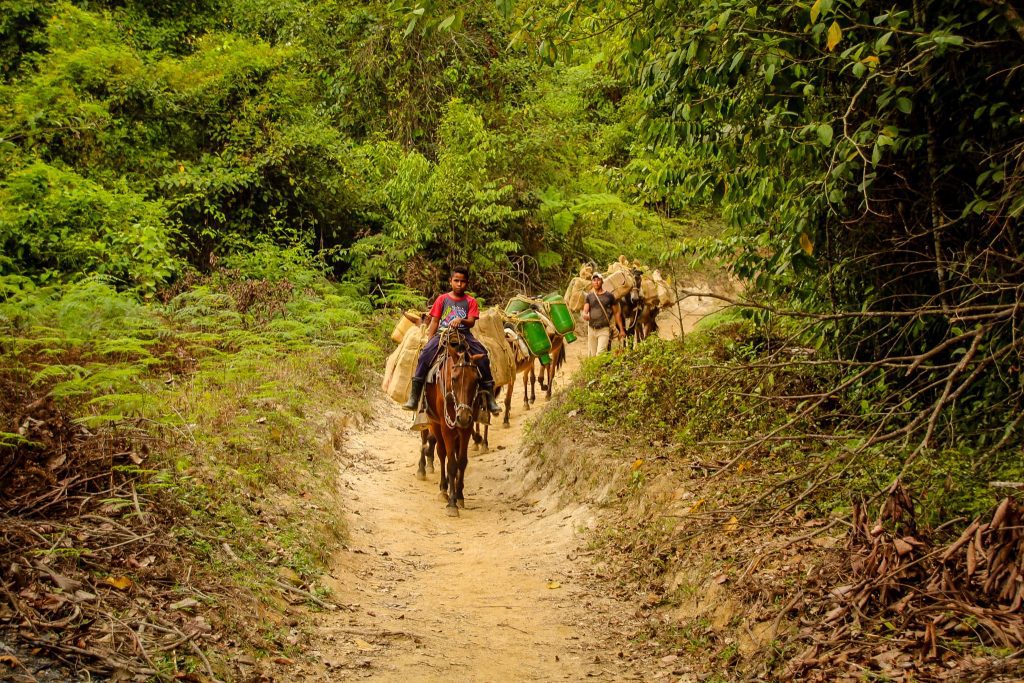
{"x":452,"y":408}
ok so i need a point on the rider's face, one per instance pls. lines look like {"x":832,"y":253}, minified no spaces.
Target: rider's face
{"x":459,"y":283}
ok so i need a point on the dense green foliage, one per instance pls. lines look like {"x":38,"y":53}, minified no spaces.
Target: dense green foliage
{"x":867,"y":158}
{"x":221,"y":376}
{"x":140,"y":141}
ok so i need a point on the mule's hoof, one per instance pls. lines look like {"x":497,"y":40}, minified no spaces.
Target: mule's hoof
{"x":462,"y":504}
{"x":422,"y":476}
{"x":444,"y":496}
{"x":451,"y":511}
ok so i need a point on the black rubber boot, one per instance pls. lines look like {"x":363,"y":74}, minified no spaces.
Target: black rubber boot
{"x":414,"y":395}
{"x":492,"y":405}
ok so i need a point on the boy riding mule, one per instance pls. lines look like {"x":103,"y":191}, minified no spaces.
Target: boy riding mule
{"x":459,"y":311}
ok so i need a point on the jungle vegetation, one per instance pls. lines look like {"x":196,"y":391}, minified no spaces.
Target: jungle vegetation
{"x":192,"y":188}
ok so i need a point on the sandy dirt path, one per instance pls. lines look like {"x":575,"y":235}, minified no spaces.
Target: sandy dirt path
{"x":500,"y":593}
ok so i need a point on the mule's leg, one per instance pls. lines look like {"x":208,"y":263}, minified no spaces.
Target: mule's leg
{"x":421,"y":468}
{"x":462,"y":460}
{"x":431,"y":447}
{"x":533,"y":383}
{"x":453,"y":446}
{"x":526,"y":388}
{"x":508,"y":400}
{"x":442,"y":453}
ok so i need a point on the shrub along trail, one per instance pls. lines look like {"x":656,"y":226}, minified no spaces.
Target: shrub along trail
{"x":503,"y":592}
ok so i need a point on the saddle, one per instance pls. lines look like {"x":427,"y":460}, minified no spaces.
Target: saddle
{"x":425,"y":415}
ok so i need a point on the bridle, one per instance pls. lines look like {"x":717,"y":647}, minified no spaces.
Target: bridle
{"x":451,"y":337}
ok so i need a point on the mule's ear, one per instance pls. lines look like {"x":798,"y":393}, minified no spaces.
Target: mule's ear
{"x":476,"y":356}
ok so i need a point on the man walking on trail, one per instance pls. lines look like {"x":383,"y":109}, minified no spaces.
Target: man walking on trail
{"x":597,"y":311}
{"x":459,"y":310}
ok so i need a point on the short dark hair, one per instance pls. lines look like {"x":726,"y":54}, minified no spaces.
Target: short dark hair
{"x":461,"y":270}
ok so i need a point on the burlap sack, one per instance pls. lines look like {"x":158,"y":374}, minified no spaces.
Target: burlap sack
{"x":666,"y":292}
{"x":576,"y":293}
{"x":649,"y":290}
{"x":619,"y":283}
{"x":490,"y":331}
{"x":389,"y":369}
{"x":404,"y":366}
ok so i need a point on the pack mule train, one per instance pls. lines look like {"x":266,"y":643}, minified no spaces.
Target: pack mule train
{"x":516,"y":337}
{"x":640,"y":291}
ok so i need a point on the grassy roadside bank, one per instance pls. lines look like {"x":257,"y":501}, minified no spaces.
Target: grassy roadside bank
{"x":169,"y":467}
{"x":758,"y":553}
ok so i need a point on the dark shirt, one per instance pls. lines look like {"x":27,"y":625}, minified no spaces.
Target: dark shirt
{"x":599,"y":317}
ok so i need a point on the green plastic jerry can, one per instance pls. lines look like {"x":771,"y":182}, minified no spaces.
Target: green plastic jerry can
{"x":517,"y":306}
{"x":560,"y":316}
{"x":536,"y":337}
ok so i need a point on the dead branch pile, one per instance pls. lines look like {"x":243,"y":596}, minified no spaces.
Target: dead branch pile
{"x":89,"y":574}
{"x":912,"y":609}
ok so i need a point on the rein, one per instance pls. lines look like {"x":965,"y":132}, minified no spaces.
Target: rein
{"x":461,"y":361}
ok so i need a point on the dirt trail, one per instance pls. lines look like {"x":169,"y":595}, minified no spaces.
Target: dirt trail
{"x":496,"y":594}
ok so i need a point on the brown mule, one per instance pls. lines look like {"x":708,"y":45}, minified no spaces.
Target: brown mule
{"x":452,"y":406}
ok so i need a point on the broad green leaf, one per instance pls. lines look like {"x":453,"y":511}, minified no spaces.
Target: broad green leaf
{"x":825,"y":134}
{"x":516,"y":37}
{"x":904,"y":105}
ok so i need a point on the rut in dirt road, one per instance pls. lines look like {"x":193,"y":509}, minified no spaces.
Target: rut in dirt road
{"x":494,"y":594}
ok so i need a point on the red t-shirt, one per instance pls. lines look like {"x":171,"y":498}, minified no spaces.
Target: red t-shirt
{"x":447,"y":308}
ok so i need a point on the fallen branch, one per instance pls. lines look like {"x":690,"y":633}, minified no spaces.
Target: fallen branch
{"x":306,"y":594}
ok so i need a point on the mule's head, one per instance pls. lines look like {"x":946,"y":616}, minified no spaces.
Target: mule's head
{"x":464,"y":381}
{"x":462,"y":377}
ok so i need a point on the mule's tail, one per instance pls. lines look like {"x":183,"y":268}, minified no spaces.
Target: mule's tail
{"x":561,"y":357}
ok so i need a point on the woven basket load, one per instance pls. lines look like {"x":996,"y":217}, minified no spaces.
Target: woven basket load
{"x":406,"y":322}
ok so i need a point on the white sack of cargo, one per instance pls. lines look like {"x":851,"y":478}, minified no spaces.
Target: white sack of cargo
{"x":576,"y":293}
{"x":619,"y":283}
{"x":666,"y":292}
{"x":490,"y":331}
{"x":649,"y":291}
{"x":404,"y":366}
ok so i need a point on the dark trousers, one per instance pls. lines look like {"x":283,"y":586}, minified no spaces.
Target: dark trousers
{"x":475,"y":347}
